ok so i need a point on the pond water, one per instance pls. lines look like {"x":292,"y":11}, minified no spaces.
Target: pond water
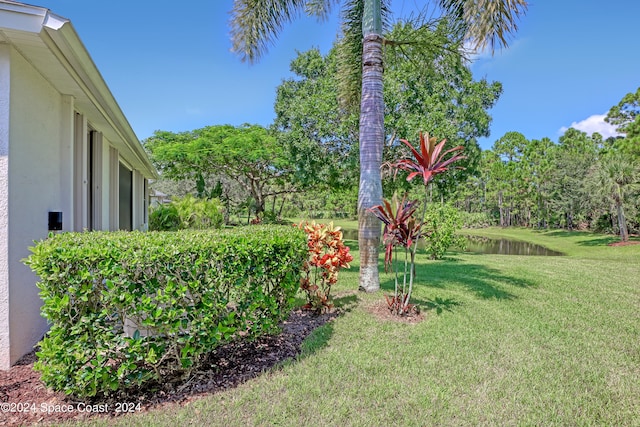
{"x":485,"y":245}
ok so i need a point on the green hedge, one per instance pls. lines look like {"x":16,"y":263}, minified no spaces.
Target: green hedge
{"x":125,"y":308}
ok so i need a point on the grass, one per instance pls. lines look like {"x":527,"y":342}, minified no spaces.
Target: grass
{"x":346,"y":223}
{"x":519,"y":341}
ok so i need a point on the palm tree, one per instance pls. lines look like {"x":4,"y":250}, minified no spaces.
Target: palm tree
{"x":255,"y":24}
{"x":617,"y":176}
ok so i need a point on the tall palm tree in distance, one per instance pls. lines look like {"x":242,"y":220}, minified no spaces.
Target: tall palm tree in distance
{"x":256,"y":23}
{"x":616,"y":177}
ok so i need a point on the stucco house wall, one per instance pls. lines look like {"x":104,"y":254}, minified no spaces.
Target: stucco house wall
{"x":34,"y":189}
{"x":5,"y":84}
{"x":65,"y":146}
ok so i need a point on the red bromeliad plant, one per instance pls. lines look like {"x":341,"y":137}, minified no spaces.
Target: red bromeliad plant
{"x":400,"y":229}
{"x":429,"y":161}
{"x":327,"y":255}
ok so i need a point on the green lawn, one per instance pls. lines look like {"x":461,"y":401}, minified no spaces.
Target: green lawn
{"x":519,"y":341}
{"x":346,"y":223}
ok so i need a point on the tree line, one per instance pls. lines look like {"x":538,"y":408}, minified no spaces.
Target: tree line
{"x":308,"y":162}
{"x":580,"y":182}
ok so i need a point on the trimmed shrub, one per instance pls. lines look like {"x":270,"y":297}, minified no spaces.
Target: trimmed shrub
{"x":127,"y":308}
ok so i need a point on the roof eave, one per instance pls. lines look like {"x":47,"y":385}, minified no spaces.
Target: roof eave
{"x":62,"y":41}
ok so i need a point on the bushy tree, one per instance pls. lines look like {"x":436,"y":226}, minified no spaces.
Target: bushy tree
{"x":574,"y":158}
{"x":250,"y":155}
{"x":423,"y":88}
{"x":625,"y":116}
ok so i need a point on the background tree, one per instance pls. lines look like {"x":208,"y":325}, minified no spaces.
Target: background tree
{"x":615,"y":179}
{"x":190,"y":171}
{"x":254,"y":24}
{"x":575,"y":156}
{"x":249,"y":155}
{"x":510,"y":176}
{"x":473,"y":197}
{"x":538,"y":160}
{"x":433,"y":89}
{"x":320,"y":134}
{"x":625,"y":116}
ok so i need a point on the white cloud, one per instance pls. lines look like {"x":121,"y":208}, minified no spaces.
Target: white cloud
{"x":593,"y":124}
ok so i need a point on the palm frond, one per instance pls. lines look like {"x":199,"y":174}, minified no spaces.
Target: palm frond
{"x":349,"y":74}
{"x":255,"y":24}
{"x":350,"y":51}
{"x":319,"y":8}
{"x":489,"y":23}
{"x":423,"y":39}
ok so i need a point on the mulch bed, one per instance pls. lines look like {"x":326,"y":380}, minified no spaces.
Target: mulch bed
{"x":627,"y":243}
{"x":226,"y":367}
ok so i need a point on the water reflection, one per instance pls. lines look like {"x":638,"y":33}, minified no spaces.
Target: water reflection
{"x":349,"y":234}
{"x":485,"y":245}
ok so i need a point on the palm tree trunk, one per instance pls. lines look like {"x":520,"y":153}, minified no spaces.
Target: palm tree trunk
{"x":622,"y":222}
{"x":501,"y":208}
{"x":371,"y":142}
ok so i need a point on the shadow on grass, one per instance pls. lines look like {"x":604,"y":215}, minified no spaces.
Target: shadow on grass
{"x":602,"y":241}
{"x":316,"y":340}
{"x":318,"y":330}
{"x":486,"y":283}
{"x":345,"y":303}
{"x":590,"y":240}
{"x":441,"y":304}
{"x":438,"y":304}
{"x":559,"y":233}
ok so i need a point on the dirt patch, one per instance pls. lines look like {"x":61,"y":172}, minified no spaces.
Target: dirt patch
{"x":24,"y":399}
{"x":627,"y":243}
{"x":380,"y":309}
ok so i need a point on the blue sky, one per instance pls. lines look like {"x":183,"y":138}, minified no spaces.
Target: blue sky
{"x":169,"y":63}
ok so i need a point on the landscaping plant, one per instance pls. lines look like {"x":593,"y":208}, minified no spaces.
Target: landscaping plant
{"x":327,"y":255}
{"x":127,"y":309}
{"x":427,"y":163}
{"x":439,"y":230}
{"x":187,"y":213}
{"x":400,"y":229}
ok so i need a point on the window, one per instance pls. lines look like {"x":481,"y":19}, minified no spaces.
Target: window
{"x":125,"y":198}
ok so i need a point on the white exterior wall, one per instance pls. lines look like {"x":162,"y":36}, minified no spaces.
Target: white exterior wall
{"x":35,"y":171}
{"x":5,"y":86}
{"x":37,"y":128}
{"x":113,"y":189}
{"x":67,"y":114}
{"x":51,"y":94}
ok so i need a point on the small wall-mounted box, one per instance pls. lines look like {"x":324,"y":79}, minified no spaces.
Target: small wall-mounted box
{"x":55,"y":221}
